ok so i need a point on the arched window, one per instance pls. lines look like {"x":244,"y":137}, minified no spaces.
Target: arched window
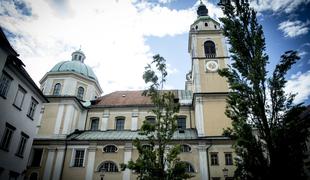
{"x":188,"y":167}
{"x":110,"y":148}
{"x":108,"y":166}
{"x":119,"y":123}
{"x":57,"y":89}
{"x":80,"y":93}
{"x":94,"y":124}
{"x":150,"y":119}
{"x":185,"y":148}
{"x":209,"y":47}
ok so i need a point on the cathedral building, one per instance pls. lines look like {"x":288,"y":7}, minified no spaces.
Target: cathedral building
{"x":83,"y":135}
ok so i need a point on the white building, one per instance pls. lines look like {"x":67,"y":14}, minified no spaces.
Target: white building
{"x":20,"y":105}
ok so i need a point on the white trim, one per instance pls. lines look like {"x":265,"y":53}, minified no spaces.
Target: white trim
{"x":59,"y":118}
{"x":127,"y":157}
{"x":104,"y":123}
{"x":203,"y":159}
{"x":49,"y":164}
{"x":199,"y":116}
{"x":90,"y":164}
{"x":67,"y":120}
{"x":134,"y":123}
{"x":73,"y":157}
{"x":58,"y":164}
{"x":196,"y":73}
{"x":110,"y":145}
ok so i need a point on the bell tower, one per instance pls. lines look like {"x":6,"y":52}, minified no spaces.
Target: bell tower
{"x":208,"y":54}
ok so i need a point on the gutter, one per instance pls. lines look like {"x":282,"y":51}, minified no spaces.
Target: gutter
{"x":208,"y":164}
{"x":63,"y":161}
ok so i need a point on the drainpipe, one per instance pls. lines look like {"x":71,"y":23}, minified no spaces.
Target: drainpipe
{"x":86,"y":119}
{"x":63,"y":161}
{"x":208,"y":164}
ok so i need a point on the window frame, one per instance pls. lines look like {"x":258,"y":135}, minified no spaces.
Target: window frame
{"x":80,"y":94}
{"x":209,"y":49}
{"x":121,"y":118}
{"x":102,"y":166}
{"x":228,"y":160}
{"x":214,"y":159}
{"x":92,"y":119}
{"x":8,"y":128}
{"x":32,"y":110}
{"x":24,"y":92}
{"x":183,"y":123}
{"x":5,"y":86}
{"x":22,"y":145}
{"x":57,"y":91}
{"x":74,"y":158}
{"x":149,"y":119}
{"x":109,"y":145}
{"x":189,"y":167}
{"x":183,"y":149}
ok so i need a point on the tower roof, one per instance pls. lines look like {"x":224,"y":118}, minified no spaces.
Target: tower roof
{"x":202,"y":10}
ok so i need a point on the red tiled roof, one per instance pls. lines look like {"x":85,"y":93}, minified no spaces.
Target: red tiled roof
{"x":124,"y":98}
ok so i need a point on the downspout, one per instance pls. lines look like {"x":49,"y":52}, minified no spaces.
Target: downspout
{"x":209,"y":175}
{"x":86,"y":120}
{"x":190,"y":116}
{"x":63,"y":161}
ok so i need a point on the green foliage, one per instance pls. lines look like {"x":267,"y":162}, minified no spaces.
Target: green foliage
{"x":160,"y":162}
{"x":270,"y":136}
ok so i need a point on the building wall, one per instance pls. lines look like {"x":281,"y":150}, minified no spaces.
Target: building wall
{"x":61,"y":117}
{"x":19,"y":119}
{"x":193,"y":157}
{"x":140,"y":113}
{"x":70,"y":82}
{"x":214,"y":118}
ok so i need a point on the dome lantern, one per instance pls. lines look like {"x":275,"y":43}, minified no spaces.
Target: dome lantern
{"x":78,"y":56}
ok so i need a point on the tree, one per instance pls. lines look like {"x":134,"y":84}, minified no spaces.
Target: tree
{"x":159,"y":159}
{"x":269,"y":135}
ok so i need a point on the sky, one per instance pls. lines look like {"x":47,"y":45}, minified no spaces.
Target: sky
{"x":119,"y":37}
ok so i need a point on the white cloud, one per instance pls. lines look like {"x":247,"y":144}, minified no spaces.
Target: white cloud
{"x":294,"y":28}
{"x":277,"y":5}
{"x":165,"y":1}
{"x":300,"y":84}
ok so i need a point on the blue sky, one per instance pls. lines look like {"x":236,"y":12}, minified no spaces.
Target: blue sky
{"x":119,"y":37}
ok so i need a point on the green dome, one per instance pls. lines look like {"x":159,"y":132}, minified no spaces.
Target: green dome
{"x":74,"y":66}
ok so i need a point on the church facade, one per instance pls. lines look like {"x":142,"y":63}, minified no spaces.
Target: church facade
{"x":83,"y":135}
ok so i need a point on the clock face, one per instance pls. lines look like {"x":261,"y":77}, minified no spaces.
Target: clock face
{"x":212,"y":66}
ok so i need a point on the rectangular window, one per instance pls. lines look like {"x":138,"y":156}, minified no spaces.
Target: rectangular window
{"x":228,"y":159}
{"x":94,"y":126}
{"x":7,"y":136}
{"x":79,"y":158}
{"x":19,"y":98}
{"x":214,"y":159}
{"x":181,"y":122}
{"x":120,"y":124}
{"x":22,"y":144}
{"x":5,"y":82}
{"x":36,"y":157}
{"x":32,"y":108}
